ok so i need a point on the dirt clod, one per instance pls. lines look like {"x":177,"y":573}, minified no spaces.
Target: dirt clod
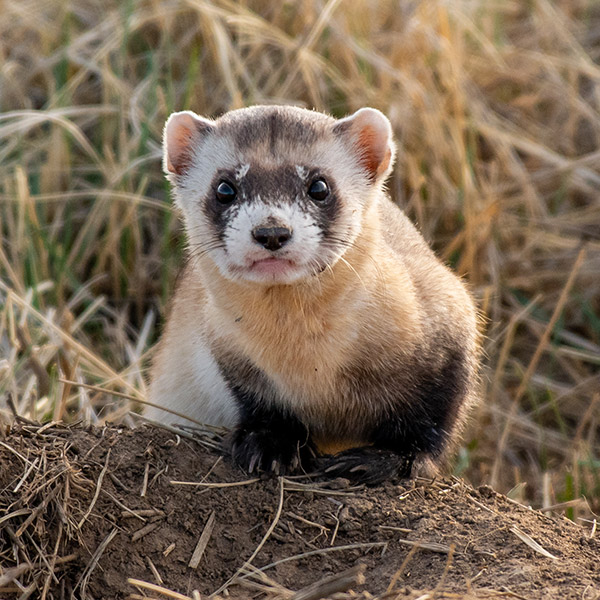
{"x":82,"y":510}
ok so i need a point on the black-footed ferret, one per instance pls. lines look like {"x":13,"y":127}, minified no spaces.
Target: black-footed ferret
{"x":312,"y":317}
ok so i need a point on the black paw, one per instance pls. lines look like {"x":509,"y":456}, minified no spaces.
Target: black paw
{"x":367,"y":465}
{"x":263,"y":450}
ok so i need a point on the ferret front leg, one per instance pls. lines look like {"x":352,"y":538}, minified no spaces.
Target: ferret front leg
{"x":415,"y":432}
{"x":368,"y":464}
{"x":397,"y":443}
{"x":269,"y":439}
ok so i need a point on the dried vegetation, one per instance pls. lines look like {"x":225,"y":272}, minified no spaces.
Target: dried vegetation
{"x":496,"y":105}
{"x":107,"y":513}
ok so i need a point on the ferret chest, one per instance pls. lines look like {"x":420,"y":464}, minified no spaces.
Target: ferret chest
{"x":297,"y":349}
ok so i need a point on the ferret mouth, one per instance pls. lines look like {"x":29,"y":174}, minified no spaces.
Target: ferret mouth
{"x":272,"y":266}
{"x":273,"y":270}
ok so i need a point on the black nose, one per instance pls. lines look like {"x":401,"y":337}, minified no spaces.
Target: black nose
{"x":272,"y":238}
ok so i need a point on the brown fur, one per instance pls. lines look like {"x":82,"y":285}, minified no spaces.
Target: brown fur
{"x":307,"y":333}
{"x":386,"y":336}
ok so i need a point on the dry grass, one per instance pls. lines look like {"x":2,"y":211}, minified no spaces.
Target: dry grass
{"x":74,"y":514}
{"x":497,"y":107}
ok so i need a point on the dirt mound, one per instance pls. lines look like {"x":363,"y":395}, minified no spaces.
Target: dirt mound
{"x":83,"y":510}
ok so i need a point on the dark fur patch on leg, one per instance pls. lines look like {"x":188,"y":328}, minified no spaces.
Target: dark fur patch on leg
{"x":423,"y":423}
{"x":368,"y":465}
{"x":269,"y":440}
{"x":418,"y":424}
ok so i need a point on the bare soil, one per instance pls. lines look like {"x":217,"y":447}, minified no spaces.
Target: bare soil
{"x":84,"y":509}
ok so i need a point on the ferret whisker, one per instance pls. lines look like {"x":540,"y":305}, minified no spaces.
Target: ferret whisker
{"x":298,"y":301}
{"x":197,"y":251}
{"x":354,"y":271}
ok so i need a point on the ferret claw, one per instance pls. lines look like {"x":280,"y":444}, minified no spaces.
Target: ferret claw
{"x":253,"y":461}
{"x":258,"y":450}
{"x":368,"y":465}
{"x":359,"y":468}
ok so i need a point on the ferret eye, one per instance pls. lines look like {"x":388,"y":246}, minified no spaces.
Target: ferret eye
{"x":318,"y":190}
{"x":226,"y":193}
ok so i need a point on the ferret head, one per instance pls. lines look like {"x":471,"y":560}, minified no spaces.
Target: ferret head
{"x":275,"y":195}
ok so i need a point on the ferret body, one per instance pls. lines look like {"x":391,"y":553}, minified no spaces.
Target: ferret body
{"x":312,"y":317}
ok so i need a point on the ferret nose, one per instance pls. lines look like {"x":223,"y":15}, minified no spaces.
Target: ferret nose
{"x":272,"y":238}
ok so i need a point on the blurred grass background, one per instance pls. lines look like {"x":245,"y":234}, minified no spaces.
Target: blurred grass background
{"x":496,"y":107}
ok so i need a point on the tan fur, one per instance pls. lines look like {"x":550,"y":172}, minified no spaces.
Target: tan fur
{"x":384,"y":301}
{"x":301,"y":335}
{"x":298,"y":331}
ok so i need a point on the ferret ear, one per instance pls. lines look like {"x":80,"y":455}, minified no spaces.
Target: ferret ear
{"x":183,"y":130}
{"x":370,"y":134}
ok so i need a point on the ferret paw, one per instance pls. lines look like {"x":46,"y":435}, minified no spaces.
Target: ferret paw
{"x":262,"y":451}
{"x":368,"y":465}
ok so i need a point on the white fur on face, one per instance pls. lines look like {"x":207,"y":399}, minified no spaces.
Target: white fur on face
{"x":241,"y":251}
{"x":235,"y":250}
{"x":302,"y":172}
{"x":215,"y":153}
{"x":240,"y":173}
